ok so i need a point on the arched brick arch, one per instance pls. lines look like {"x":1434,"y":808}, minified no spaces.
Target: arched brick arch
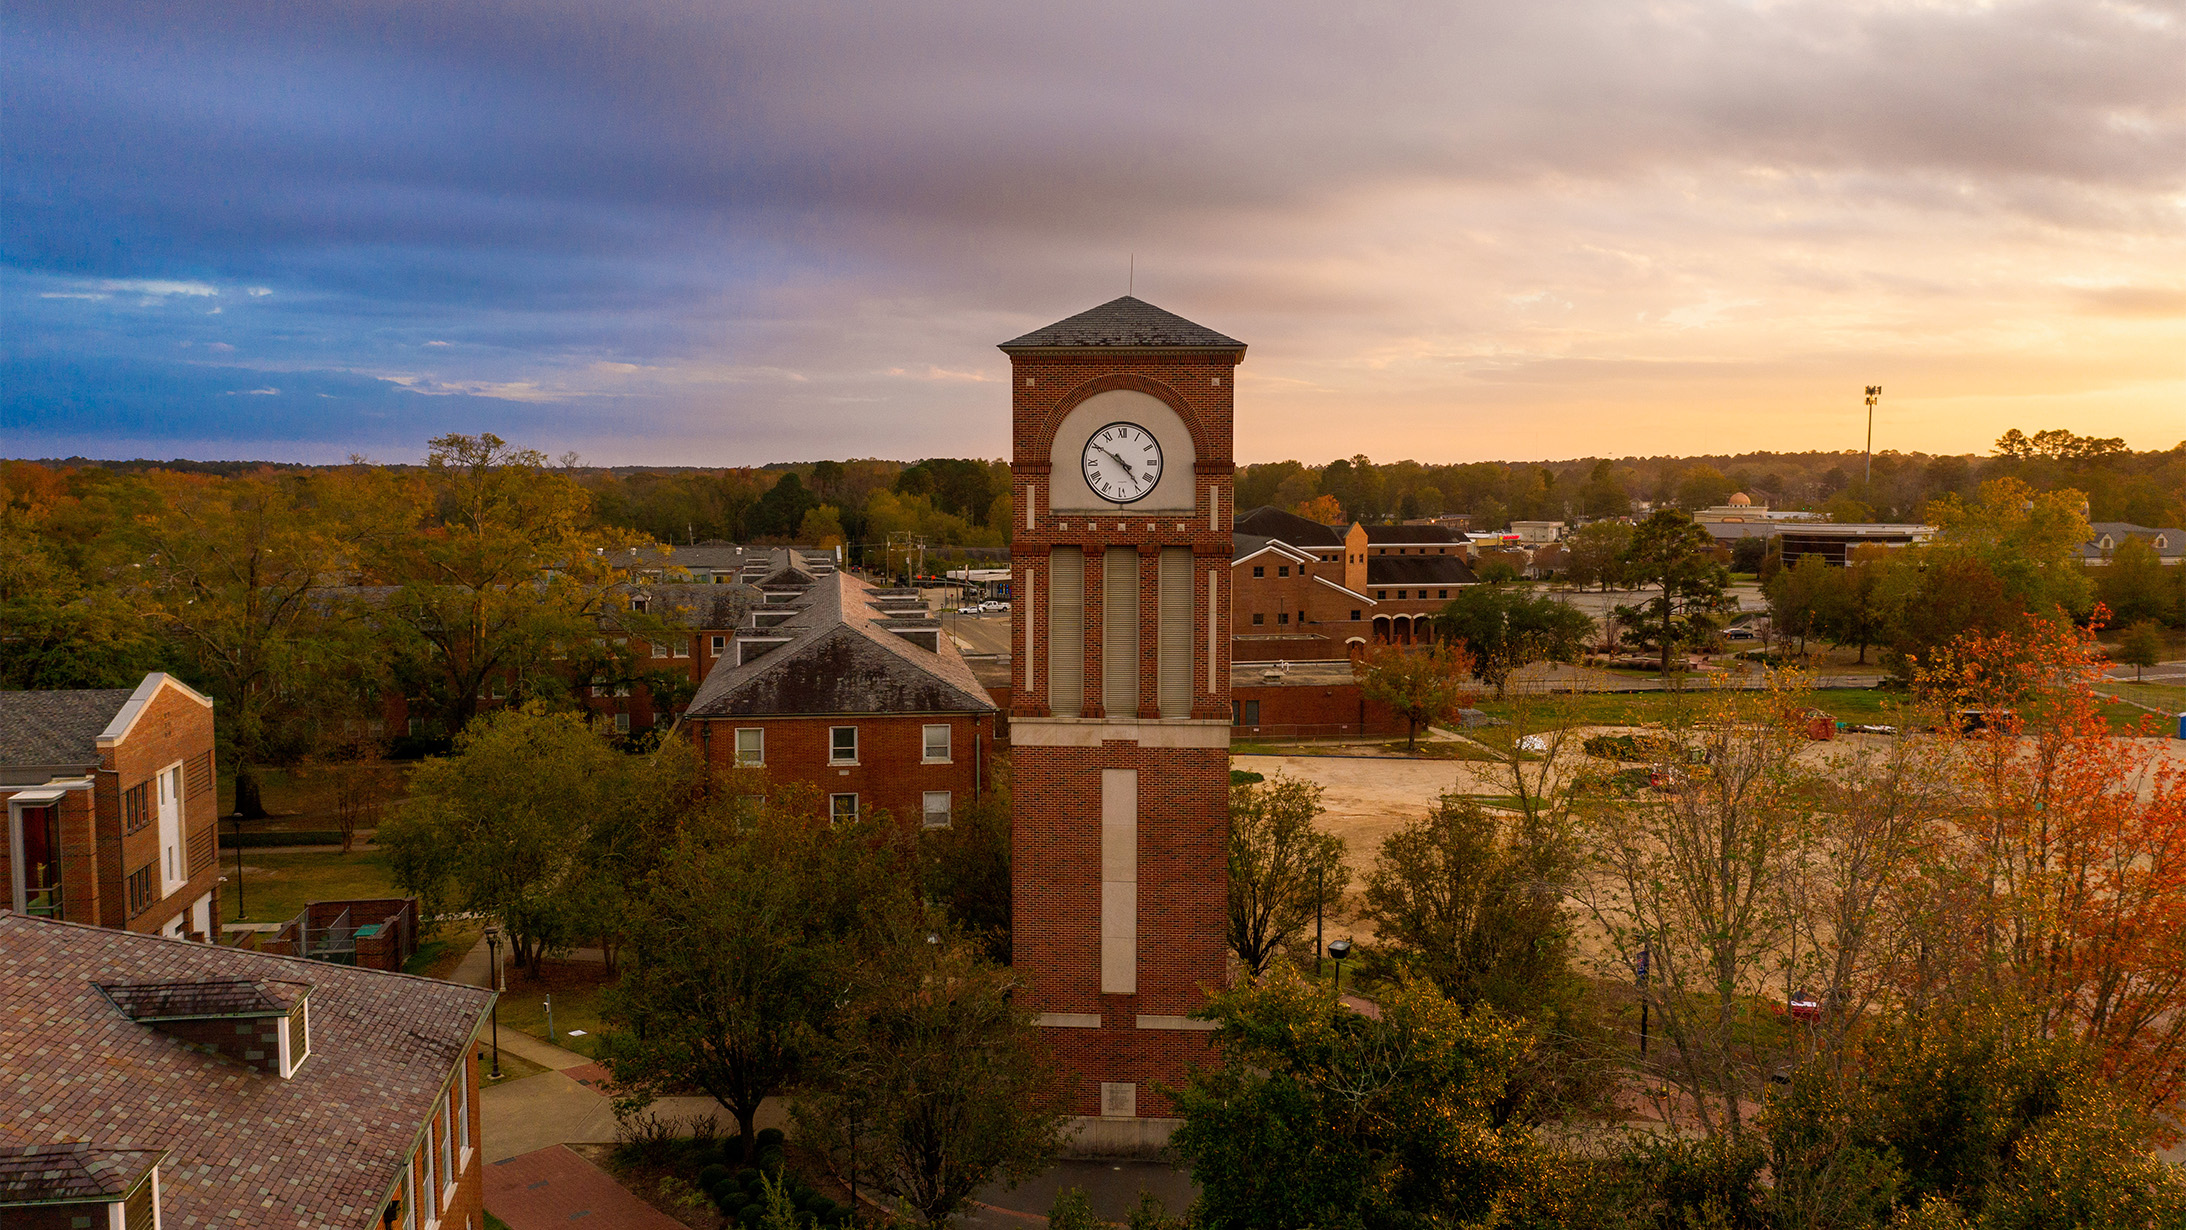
{"x":1044,"y":441}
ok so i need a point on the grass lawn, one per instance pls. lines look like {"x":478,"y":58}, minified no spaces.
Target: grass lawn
{"x":576,"y":987}
{"x":438,"y":956}
{"x":514,"y":1067}
{"x":277,"y":887}
{"x":2168,"y":697}
{"x":1857,"y":706}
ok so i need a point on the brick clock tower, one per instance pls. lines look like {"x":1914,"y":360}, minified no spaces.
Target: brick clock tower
{"x":1120,"y":701}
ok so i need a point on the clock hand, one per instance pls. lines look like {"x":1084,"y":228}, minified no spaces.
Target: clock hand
{"x":1125,"y":464}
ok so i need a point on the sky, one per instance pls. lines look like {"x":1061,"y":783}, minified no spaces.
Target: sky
{"x":721,"y":233}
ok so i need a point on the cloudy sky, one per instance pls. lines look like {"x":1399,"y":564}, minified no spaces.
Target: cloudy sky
{"x":722,"y":233}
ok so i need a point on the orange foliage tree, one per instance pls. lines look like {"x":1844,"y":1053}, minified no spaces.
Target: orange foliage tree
{"x":2063,"y":882}
{"x":1323,"y":509}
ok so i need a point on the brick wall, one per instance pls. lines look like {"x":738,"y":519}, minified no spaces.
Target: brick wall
{"x":891,"y":772}
{"x":1312,"y":712}
{"x":172,"y":729}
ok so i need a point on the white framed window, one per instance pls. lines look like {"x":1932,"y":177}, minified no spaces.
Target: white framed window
{"x":842,"y":807}
{"x":683,"y":647}
{"x":170,"y":829}
{"x":622,"y":689}
{"x":463,"y":1111}
{"x":720,"y":645}
{"x":416,"y":725}
{"x":500,"y":689}
{"x":660,"y":649}
{"x":751,"y":745}
{"x":936,"y":744}
{"x":936,"y":809}
{"x":446,"y":1129}
{"x":842,"y":745}
{"x":622,"y":723}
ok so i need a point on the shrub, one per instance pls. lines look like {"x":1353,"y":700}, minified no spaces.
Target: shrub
{"x":770,"y":1138}
{"x":712,"y":1173}
{"x":748,"y":1179}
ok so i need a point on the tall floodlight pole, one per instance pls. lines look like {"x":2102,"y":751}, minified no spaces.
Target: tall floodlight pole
{"x":1874,"y":394}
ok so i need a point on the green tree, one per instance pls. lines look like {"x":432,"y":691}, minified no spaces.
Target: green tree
{"x":1425,"y":687}
{"x":2134,"y":584}
{"x":1671,"y":553}
{"x":748,"y":948}
{"x":967,"y":866}
{"x":2141,"y":647}
{"x":62,"y":632}
{"x":1506,"y":627}
{"x":931,"y":1085}
{"x":1797,"y":596}
{"x":1855,"y":607}
{"x":2029,"y":540}
{"x":1321,"y":1116}
{"x":508,"y":827}
{"x":1283,"y":872}
{"x":1596,"y":554}
{"x":1604,"y":494}
{"x":1703,"y":486}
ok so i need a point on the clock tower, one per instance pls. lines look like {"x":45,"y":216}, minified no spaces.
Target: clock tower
{"x":1120,"y":701}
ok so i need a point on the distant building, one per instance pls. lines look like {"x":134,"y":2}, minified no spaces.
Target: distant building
{"x":111,"y":808}
{"x":1834,"y":542}
{"x":151,"y":1082}
{"x":2170,"y":545}
{"x":854,"y":690}
{"x":1303,"y":591}
{"x":1537,"y":533}
{"x":1750,"y":520}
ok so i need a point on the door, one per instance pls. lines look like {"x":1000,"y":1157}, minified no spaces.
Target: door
{"x":41,"y":876}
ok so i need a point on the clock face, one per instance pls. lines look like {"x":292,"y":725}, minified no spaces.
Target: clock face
{"x":1122,"y":463}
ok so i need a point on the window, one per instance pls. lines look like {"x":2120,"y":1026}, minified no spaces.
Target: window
{"x":428,"y":1187}
{"x":1259,"y":571}
{"x":751,"y":745}
{"x":937,"y":745}
{"x":463,"y":1111}
{"x":937,"y":809}
{"x":1282,"y":617}
{"x":683,"y":647}
{"x":1258,"y":619}
{"x":142,"y":891}
{"x":841,"y":807}
{"x":447,"y":1141}
{"x":1442,"y":593}
{"x":1380,"y":594}
{"x":1252,"y":713}
{"x":136,"y":811}
{"x":1301,"y":617}
{"x":720,"y":645}
{"x":622,"y":689}
{"x":622,"y":723}
{"x":1403,"y":593}
{"x":500,"y":689}
{"x":1354,"y":614}
{"x":842,"y":745}
{"x":1283,"y":571}
{"x":660,"y":649}
{"x":417,"y":726}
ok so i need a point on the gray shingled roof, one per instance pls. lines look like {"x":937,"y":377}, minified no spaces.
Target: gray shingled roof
{"x":1125,"y":322}
{"x":695,"y":605}
{"x":246,"y":1150}
{"x":841,"y":658}
{"x":68,"y":1173}
{"x":56,"y":728}
{"x":1267,"y":522}
{"x":1418,"y":570}
{"x":1391,"y":534}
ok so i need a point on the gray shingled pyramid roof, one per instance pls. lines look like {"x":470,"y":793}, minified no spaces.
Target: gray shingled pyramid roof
{"x":1125,"y":322}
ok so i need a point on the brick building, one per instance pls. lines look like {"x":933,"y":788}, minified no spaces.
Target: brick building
{"x":1311,"y":592}
{"x":853,"y":690}
{"x":111,"y":807}
{"x":153,"y":1082}
{"x":1120,"y":698}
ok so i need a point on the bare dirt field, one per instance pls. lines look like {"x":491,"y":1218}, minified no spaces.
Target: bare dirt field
{"x":1369,"y":798}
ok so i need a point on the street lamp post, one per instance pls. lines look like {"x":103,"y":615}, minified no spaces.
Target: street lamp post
{"x":1643,"y":1002}
{"x":493,"y":953}
{"x":1339,"y":949}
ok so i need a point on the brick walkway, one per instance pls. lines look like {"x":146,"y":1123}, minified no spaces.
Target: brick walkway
{"x":553,"y":1187}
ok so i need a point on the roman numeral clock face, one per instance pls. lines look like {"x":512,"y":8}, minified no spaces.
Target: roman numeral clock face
{"x":1122,"y":463}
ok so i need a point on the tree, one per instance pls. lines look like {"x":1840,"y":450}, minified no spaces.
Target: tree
{"x":1425,"y":687}
{"x":1703,"y":486}
{"x":1321,"y":1116}
{"x":780,"y":512}
{"x":1855,"y":606}
{"x":1671,"y":552}
{"x":236,"y":570}
{"x":967,"y":866}
{"x":1604,"y":494}
{"x":1597,"y":554}
{"x":1797,"y":596}
{"x":1283,"y":873}
{"x":506,"y":827}
{"x":748,"y":949}
{"x":821,"y":527}
{"x":2029,"y":540}
{"x":2134,"y":584}
{"x":1505,"y":627}
{"x":502,"y":566}
{"x":1696,"y":875}
{"x":2142,"y":647}
{"x":931,"y":1086}
{"x":60,"y":631}
{"x":1321,"y":509}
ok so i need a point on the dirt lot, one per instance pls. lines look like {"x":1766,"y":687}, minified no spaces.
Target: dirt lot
{"x":1369,"y":798}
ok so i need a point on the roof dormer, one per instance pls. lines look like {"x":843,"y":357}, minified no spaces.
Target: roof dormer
{"x":259,"y":1023}
{"x":78,"y":1184}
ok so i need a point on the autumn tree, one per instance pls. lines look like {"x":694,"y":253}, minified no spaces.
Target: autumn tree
{"x":1283,"y":873}
{"x":2134,"y":584}
{"x":1797,"y":597}
{"x":500,"y":571}
{"x":1425,"y":686}
{"x":64,"y":631}
{"x":2028,"y":540}
{"x":1596,"y":554}
{"x":1321,"y":510}
{"x":2141,"y":647}
{"x":1670,"y":552}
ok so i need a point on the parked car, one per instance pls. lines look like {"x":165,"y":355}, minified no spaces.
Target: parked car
{"x":991,"y":605}
{"x":968,"y":610}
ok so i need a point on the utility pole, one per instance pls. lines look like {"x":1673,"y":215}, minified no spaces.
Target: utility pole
{"x":1874,"y":394}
